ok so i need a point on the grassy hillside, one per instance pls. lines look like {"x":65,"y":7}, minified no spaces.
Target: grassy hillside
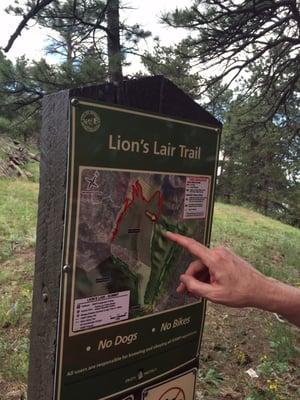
{"x":18,"y":205}
{"x":273,"y":247}
{"x":234,"y":340}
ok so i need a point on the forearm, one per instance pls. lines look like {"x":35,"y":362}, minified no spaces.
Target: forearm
{"x":280,"y":298}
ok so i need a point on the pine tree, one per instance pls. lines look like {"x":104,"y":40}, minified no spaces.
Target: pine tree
{"x":90,"y":44}
{"x":85,"y":27}
{"x":260,"y":162}
{"x":167,"y":61}
{"x":230,"y":37}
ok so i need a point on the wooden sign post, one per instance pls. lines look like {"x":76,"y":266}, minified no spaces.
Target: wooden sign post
{"x":119,"y":165}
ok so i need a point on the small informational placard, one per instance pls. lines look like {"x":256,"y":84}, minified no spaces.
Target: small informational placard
{"x":92,"y":312}
{"x":132,"y":176}
{"x":196,"y":197}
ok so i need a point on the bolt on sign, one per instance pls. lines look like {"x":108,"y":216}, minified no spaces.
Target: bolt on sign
{"x":123,"y":331}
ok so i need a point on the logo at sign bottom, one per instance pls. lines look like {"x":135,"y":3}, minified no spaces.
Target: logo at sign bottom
{"x":181,"y":387}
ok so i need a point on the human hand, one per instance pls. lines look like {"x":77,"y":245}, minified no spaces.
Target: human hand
{"x":219,"y":275}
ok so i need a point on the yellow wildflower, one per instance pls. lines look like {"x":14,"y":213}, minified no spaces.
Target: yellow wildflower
{"x":263,"y":358}
{"x":272,"y":385}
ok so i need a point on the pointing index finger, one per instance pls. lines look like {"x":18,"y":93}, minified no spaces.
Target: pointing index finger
{"x":195,"y":248}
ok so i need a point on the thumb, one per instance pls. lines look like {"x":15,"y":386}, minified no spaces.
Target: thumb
{"x":195,"y":287}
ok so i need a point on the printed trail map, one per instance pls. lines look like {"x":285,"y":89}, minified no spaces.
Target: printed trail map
{"x":125,"y":267}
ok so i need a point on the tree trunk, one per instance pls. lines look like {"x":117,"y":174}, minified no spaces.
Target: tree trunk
{"x":69,"y":49}
{"x":113,"y":42}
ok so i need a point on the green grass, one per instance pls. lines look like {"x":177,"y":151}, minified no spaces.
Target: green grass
{"x":14,"y":354}
{"x":271,"y":246}
{"x":18,"y":207}
{"x":12,"y":310}
{"x":281,"y":342}
{"x":15,"y":316}
{"x":33,"y":167}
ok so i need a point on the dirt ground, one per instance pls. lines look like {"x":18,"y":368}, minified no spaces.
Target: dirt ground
{"x":236,"y":341}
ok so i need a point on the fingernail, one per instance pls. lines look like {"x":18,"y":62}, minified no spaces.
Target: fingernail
{"x":165,"y":233}
{"x":180,"y":288}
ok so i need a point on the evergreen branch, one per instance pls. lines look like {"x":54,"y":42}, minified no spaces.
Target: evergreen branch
{"x":31,"y":14}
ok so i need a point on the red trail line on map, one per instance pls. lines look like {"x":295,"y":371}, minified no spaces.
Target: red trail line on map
{"x":137,"y":192}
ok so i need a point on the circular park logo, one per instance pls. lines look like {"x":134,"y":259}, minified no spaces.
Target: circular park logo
{"x":90,"y":121}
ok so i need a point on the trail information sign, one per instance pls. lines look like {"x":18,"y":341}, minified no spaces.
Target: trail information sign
{"x":124,"y":332}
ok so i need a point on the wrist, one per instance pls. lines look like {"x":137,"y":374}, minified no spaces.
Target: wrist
{"x":263,"y":293}
{"x":268,"y":294}
{"x":280,"y":298}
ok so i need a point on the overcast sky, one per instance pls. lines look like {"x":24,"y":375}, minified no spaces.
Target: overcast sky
{"x":34,"y":40}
